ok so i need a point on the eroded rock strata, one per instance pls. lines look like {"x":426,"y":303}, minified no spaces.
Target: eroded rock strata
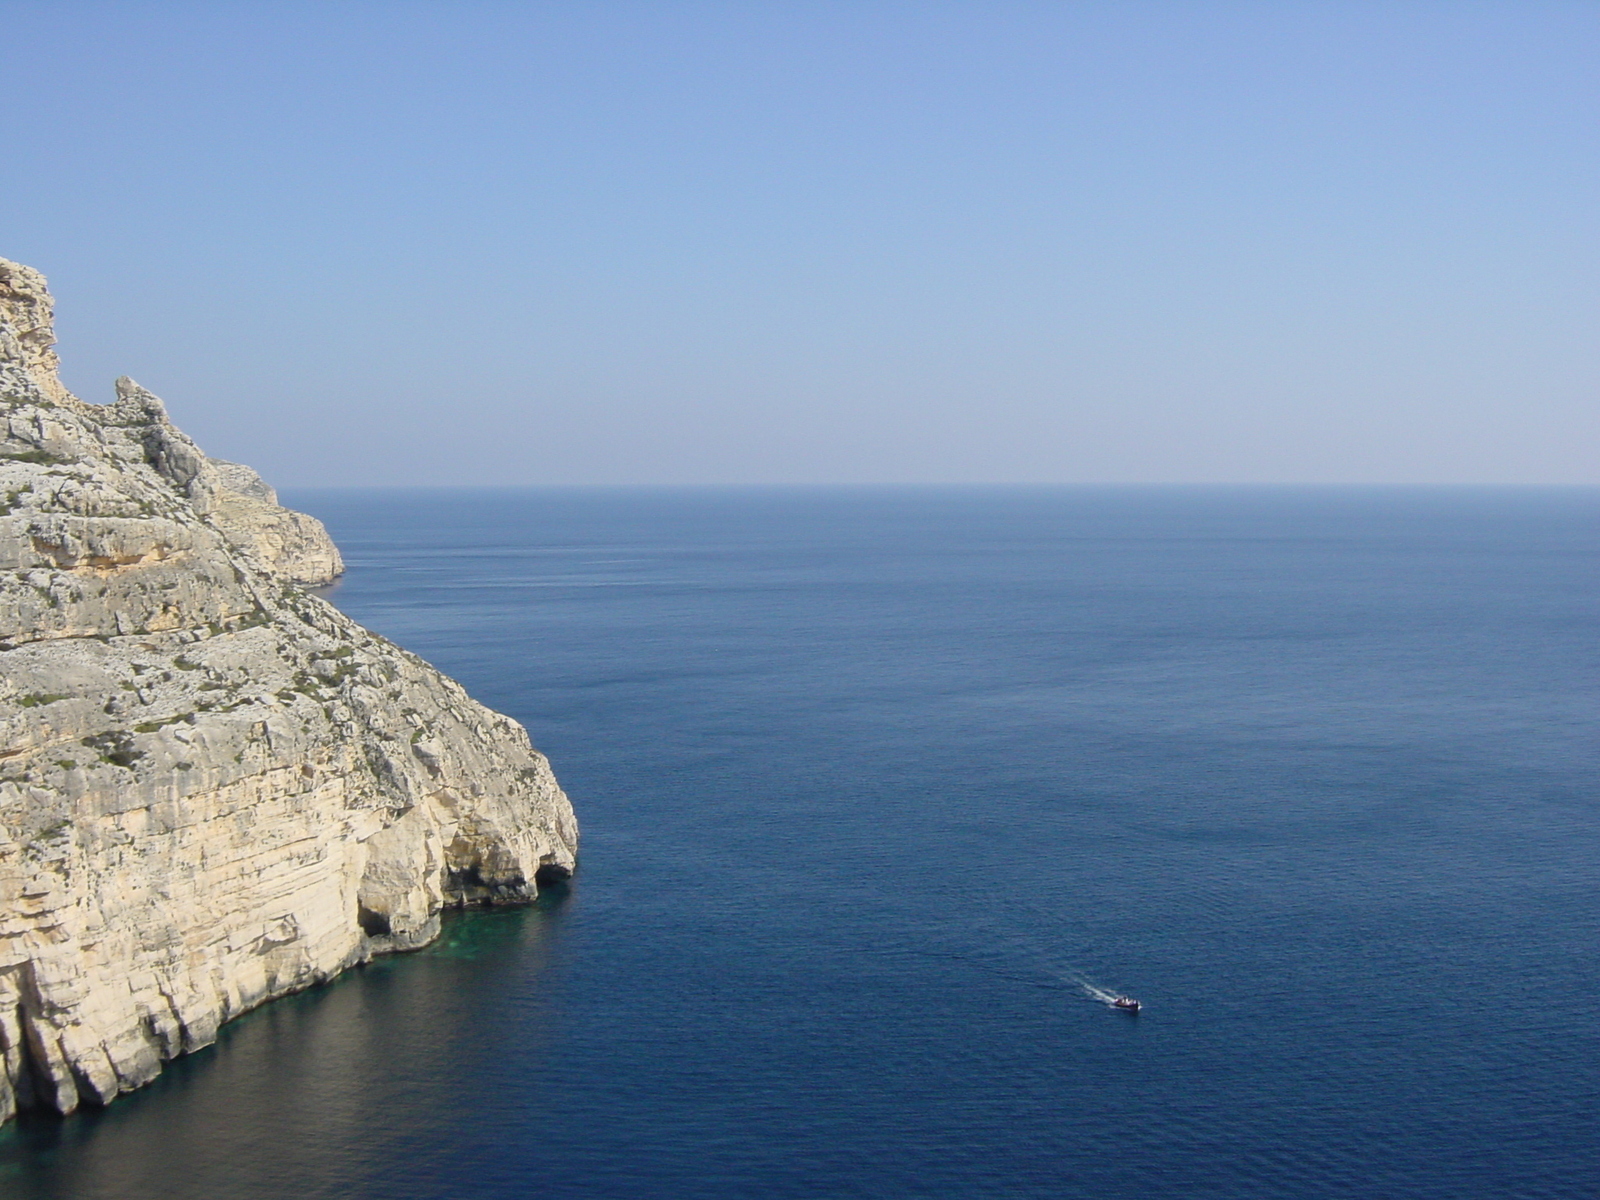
{"x":215,"y":788}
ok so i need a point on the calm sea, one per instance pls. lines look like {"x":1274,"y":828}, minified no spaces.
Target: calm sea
{"x":874,"y":782}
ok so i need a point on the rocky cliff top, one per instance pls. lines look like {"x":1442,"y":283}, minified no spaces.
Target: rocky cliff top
{"x":27,"y":329}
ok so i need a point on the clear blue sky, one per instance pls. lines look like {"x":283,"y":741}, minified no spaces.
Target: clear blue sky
{"x":680,"y":242}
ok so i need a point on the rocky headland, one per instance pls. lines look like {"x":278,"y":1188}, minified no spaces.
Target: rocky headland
{"x":215,"y":788}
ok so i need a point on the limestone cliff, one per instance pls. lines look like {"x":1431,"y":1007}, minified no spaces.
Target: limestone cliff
{"x":246,"y":510}
{"x":215,"y":788}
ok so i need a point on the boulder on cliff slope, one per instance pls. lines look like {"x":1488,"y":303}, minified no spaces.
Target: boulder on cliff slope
{"x":215,"y":788}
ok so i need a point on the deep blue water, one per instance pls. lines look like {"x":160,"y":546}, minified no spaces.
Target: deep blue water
{"x":866,"y":778}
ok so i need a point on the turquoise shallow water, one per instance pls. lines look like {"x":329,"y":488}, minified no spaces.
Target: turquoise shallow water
{"x":870,"y":779}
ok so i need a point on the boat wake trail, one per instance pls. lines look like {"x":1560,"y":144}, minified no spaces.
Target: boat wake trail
{"x":1096,"y":993}
{"x":1092,"y":990}
{"x":1065,"y":972}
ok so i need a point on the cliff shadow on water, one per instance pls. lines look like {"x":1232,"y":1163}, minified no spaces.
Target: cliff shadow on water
{"x":320,"y":1088}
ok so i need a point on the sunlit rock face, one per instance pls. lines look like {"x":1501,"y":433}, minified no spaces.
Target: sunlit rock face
{"x":215,"y":788}
{"x":290,"y":544}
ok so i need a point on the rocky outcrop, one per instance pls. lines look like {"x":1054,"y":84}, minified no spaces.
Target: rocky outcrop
{"x":215,"y":788}
{"x":27,"y":329}
{"x":290,"y":544}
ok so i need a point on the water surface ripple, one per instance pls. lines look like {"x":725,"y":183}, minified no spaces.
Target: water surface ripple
{"x":872,"y":780}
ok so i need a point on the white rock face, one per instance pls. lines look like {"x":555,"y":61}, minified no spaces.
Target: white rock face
{"x":242,"y":505}
{"x":215,"y":788}
{"x":242,"y":480}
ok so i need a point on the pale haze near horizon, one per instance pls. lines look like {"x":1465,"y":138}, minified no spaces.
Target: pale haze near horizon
{"x":412,"y":243}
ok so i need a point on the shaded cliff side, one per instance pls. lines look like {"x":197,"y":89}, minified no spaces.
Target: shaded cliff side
{"x":215,"y":788}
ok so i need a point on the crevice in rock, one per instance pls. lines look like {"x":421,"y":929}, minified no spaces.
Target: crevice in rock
{"x":373,"y":924}
{"x":550,"y":873}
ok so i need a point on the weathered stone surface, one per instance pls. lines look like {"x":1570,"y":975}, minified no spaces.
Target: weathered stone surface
{"x":27,"y":334}
{"x":215,"y":788}
{"x":290,"y":544}
{"x":243,"y":480}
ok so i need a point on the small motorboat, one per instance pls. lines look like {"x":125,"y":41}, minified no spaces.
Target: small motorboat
{"x":1125,"y":1003}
